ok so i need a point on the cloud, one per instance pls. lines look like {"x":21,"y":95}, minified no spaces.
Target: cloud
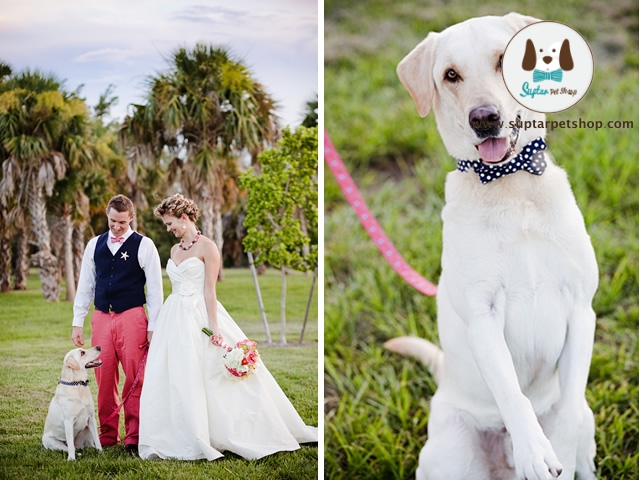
{"x":277,"y":26}
{"x":110,"y":55}
{"x":204,"y":14}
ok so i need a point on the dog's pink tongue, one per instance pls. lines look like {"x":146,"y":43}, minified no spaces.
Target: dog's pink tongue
{"x":493,"y":149}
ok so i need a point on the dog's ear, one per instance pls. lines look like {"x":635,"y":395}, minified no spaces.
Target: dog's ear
{"x":566,"y":60}
{"x":517,"y":21}
{"x":415,"y":71}
{"x":72,"y":363}
{"x":529,"y":60}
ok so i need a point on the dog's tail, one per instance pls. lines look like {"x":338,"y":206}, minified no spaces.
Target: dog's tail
{"x":425,"y":351}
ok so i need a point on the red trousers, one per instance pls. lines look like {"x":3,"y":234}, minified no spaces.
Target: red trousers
{"x":120,"y":336}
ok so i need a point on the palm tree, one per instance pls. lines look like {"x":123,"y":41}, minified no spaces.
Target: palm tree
{"x":42,"y":129}
{"x":70,"y":204}
{"x":311,"y":113}
{"x":140,"y":165}
{"x":205,"y":111}
{"x":89,"y":184}
{"x":5,"y":224}
{"x":5,"y":70}
{"x":11,"y":226}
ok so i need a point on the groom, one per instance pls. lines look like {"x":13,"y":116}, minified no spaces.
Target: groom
{"x":115,"y":268}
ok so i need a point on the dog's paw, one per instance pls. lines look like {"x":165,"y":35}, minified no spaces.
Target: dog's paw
{"x":72,"y":454}
{"x":537,"y":461}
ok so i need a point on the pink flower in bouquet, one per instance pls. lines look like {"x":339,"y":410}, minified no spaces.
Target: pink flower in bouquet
{"x":252,"y":357}
{"x":249,"y":343}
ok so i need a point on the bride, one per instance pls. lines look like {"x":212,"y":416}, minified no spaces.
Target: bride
{"x":191,"y":407}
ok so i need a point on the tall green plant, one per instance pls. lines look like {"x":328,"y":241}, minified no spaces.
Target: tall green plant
{"x":282,"y":207}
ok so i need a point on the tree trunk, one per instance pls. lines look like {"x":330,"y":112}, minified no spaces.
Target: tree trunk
{"x":67,"y":246}
{"x":21,"y":259}
{"x":78,"y":240}
{"x":48,"y":265}
{"x":218,"y":230}
{"x":44,"y":259}
{"x":305,"y":231}
{"x":256,"y":285}
{"x":206,"y":211}
{"x":212,"y":222}
{"x":56,"y":242}
{"x":283,"y":306}
{"x":78,"y":248}
{"x":5,"y":255}
{"x":306,"y":312}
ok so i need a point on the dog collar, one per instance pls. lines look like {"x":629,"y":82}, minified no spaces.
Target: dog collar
{"x":74,"y":384}
{"x":530,"y":159}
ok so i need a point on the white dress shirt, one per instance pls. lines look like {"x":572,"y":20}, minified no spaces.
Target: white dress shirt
{"x":149,"y":261}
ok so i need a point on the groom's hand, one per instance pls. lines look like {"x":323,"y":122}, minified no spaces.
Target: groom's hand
{"x":76,"y":336}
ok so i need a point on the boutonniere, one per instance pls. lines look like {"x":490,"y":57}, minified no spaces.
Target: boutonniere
{"x":124,"y":256}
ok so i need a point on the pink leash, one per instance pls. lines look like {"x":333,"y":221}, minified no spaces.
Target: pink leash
{"x":143,"y":361}
{"x":370,"y":224}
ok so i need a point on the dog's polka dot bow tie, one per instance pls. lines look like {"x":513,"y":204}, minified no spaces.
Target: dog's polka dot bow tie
{"x":530,"y":159}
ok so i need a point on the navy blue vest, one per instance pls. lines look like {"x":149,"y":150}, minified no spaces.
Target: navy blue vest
{"x":119,"y":279}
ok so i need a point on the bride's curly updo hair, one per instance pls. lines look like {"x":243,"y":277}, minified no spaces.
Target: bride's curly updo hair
{"x":176,"y":205}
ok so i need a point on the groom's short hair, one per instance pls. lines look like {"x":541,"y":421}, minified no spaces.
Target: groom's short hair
{"x":120,"y":203}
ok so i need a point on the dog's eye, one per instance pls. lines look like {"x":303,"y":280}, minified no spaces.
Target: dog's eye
{"x":451,"y":75}
{"x":81,"y":353}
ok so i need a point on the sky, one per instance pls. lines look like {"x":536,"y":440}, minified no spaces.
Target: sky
{"x":123,"y":42}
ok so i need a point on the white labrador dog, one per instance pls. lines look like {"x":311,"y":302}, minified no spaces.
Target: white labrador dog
{"x":519,"y":273}
{"x":71,"y":421}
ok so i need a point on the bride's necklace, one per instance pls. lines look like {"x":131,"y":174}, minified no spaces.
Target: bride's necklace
{"x":181,"y":245}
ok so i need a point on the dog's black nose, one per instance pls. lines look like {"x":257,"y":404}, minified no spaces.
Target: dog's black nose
{"x":547,"y":59}
{"x":98,"y":348}
{"x":485,"y":121}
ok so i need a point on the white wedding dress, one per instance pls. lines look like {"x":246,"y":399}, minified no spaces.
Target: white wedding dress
{"x":191,"y":407}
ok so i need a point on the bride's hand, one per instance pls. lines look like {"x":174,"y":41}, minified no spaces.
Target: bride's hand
{"x":216,"y":339}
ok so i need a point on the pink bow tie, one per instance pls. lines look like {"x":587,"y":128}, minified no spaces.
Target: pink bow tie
{"x":117,"y":239}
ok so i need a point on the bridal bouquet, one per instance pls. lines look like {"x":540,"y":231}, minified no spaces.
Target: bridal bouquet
{"x":240,"y":361}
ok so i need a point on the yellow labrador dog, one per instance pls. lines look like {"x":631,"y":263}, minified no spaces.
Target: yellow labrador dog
{"x":71,"y":421}
{"x":519,"y":273}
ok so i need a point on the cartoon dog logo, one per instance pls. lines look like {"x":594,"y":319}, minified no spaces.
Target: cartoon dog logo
{"x":550,"y":64}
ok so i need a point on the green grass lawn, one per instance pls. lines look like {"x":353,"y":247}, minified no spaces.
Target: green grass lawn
{"x":35,"y":335}
{"x":376,"y":403}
